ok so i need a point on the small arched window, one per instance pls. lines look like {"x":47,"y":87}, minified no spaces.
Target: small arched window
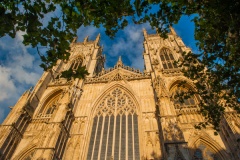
{"x":76,"y":63}
{"x":177,"y":94}
{"x":167,"y":59}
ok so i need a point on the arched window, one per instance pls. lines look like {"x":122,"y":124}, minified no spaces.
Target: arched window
{"x":114,"y":132}
{"x":204,"y":152}
{"x":167,"y":59}
{"x":189,"y":102}
{"x":76,"y":63}
{"x":198,"y":155}
{"x":50,"y":106}
{"x":28,"y":156}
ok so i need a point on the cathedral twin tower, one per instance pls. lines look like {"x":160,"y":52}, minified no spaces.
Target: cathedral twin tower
{"x":115,"y":114}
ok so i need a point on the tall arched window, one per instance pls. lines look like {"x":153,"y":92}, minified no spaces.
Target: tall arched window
{"x":76,"y":63}
{"x":186,"y":103}
{"x":114,"y":132}
{"x":167,"y":59}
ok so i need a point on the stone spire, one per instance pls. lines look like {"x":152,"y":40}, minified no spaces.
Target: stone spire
{"x":97,"y":38}
{"x":119,"y":62}
{"x":85,"y":40}
{"x":172,"y":30}
{"x":144,"y":33}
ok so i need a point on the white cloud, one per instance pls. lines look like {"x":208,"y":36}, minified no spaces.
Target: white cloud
{"x":131,"y":46}
{"x":18,"y":71}
{"x":87,"y":31}
{"x":7,"y":87}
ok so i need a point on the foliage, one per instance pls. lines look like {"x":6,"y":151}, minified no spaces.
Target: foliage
{"x":79,"y":73}
{"x":53,"y":23}
{"x":215,"y":70}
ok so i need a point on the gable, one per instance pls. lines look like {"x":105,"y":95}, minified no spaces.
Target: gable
{"x":117,"y":74}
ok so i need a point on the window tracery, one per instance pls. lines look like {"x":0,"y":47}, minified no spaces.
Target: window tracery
{"x":204,"y":152}
{"x":49,"y":108}
{"x":189,"y":102}
{"x":76,"y":63}
{"x":115,"y":128}
{"x":167,"y":59}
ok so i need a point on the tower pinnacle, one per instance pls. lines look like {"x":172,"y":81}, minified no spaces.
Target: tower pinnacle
{"x":172,"y":30}
{"x":119,"y":62}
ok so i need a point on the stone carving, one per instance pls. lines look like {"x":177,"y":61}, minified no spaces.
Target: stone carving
{"x":119,"y":72}
{"x":155,"y":61}
{"x":160,"y":87}
{"x":60,"y":82}
{"x":152,"y":145}
{"x":116,"y":102}
{"x":171,"y":130}
{"x":172,"y":72}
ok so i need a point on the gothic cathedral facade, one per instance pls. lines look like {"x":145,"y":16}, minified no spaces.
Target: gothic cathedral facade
{"x":115,"y":114}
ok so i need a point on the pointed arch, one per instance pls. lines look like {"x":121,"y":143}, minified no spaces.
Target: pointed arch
{"x":177,"y":80}
{"x":27,"y":153}
{"x":204,"y":143}
{"x":49,"y":103}
{"x":75,"y":62}
{"x":167,"y":47}
{"x":114,"y":127}
{"x":167,"y":58}
{"x":176,"y":90}
{"x":126,"y":88}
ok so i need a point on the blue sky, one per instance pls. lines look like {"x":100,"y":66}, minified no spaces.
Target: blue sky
{"x":19,"y":64}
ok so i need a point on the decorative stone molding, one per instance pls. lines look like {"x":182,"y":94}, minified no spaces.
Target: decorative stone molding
{"x":171,"y":130}
{"x":59,"y":82}
{"x":119,"y":72}
{"x":172,"y":72}
{"x":160,"y":87}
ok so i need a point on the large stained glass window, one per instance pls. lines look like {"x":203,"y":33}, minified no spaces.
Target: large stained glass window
{"x":114,"y":132}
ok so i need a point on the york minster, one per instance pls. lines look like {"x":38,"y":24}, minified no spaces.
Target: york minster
{"x":117,"y":113}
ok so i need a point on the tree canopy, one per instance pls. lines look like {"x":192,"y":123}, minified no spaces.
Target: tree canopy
{"x":215,"y":70}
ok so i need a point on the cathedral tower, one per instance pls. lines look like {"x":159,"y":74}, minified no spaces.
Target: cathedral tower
{"x":118,"y":113}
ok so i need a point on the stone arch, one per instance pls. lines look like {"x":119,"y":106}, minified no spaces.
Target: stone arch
{"x":112,"y":86}
{"x":203,"y":139}
{"x":167,"y":57}
{"x":75,"y":62}
{"x":27,"y":151}
{"x":49,"y":98}
{"x":114,"y":116}
{"x":190,"y":102}
{"x":166,"y":47}
{"x":178,"y":80}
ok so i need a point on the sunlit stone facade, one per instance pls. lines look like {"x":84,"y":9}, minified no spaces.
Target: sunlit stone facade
{"x":115,"y":114}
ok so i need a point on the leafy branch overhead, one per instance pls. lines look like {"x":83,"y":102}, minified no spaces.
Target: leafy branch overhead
{"x":215,"y":70}
{"x":78,"y":73}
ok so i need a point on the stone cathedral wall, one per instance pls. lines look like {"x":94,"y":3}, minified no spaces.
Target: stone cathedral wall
{"x":119,"y":113}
